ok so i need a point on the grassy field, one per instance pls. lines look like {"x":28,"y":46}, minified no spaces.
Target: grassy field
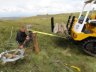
{"x":55,"y":52}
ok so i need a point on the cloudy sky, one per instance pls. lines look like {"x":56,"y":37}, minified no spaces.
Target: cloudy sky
{"x":10,"y":8}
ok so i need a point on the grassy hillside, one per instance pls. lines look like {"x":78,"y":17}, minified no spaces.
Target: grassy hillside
{"x":55,"y":52}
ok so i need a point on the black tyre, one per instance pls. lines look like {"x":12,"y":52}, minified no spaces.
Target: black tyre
{"x":89,"y":47}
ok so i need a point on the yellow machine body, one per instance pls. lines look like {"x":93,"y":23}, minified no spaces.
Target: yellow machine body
{"x":81,"y":36}
{"x":83,"y":29}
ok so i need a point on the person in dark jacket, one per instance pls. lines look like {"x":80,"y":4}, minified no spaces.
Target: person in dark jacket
{"x":22,"y":37}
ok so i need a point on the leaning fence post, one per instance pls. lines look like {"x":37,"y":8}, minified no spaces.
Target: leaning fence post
{"x":35,"y":43}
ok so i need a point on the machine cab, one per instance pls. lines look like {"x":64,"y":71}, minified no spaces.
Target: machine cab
{"x":85,"y":17}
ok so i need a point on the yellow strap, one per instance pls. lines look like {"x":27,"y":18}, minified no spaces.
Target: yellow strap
{"x":77,"y":68}
{"x":47,"y":34}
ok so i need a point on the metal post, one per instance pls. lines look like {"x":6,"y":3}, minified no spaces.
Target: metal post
{"x":52,"y":24}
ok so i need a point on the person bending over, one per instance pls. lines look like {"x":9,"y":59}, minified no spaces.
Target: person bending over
{"x":22,"y":37}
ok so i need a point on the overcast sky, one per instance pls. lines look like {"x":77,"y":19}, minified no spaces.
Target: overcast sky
{"x":33,"y":7}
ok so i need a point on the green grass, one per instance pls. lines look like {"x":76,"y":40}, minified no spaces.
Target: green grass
{"x":54,"y":54}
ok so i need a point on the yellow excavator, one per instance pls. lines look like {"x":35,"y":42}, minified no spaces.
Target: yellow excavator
{"x":83,"y":28}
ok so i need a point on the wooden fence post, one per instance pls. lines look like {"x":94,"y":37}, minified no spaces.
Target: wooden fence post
{"x":35,"y":43}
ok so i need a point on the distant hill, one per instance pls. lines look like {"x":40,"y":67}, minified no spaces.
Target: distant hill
{"x":10,"y":18}
{"x":44,"y":16}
